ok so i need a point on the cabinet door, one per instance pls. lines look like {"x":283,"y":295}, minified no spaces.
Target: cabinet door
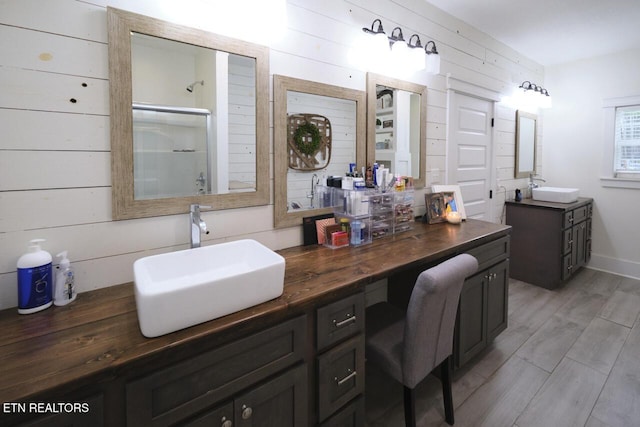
{"x":567,"y":265}
{"x":222,"y":416}
{"x":472,"y":334}
{"x":281,"y":402}
{"x":581,"y":244}
{"x":186,"y":388}
{"x":497,"y":299}
{"x":567,"y":241}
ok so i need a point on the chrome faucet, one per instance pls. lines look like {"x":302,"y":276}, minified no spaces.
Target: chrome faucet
{"x":314,"y":181}
{"x":197,"y":224}
{"x":532,"y":181}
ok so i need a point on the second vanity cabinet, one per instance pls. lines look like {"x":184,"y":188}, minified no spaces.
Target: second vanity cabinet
{"x":551,"y":241}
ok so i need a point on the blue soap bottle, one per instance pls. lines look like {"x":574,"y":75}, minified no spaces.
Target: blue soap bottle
{"x":35,"y":279}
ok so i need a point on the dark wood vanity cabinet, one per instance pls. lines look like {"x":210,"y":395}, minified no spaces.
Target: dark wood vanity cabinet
{"x":550,"y":241}
{"x":483,"y":307}
{"x":482,"y":312}
{"x":253,"y":381}
{"x":298,"y":360}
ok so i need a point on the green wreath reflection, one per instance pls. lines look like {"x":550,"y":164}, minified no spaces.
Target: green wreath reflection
{"x":307,"y":147}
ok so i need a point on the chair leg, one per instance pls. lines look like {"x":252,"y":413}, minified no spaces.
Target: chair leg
{"x":445,"y":377}
{"x":409,"y":407}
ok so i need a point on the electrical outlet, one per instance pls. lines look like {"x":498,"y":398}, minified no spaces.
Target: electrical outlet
{"x":435,"y":175}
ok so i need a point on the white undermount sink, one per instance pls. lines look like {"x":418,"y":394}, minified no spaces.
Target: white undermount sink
{"x":181,"y":289}
{"x":555,"y":194}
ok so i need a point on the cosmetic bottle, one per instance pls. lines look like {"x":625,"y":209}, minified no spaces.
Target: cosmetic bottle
{"x":65,"y":291}
{"x":35,"y":279}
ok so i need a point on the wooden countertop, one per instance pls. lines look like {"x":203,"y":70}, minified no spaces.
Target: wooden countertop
{"x":551,"y":205}
{"x":94,"y":338}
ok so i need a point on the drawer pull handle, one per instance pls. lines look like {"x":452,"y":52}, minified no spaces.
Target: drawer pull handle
{"x":246,"y":412}
{"x":226,"y":422}
{"x":345,"y":379}
{"x":346,"y":321}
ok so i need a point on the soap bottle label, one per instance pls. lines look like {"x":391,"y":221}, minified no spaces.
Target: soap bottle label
{"x":35,"y":286}
{"x":67,"y":286}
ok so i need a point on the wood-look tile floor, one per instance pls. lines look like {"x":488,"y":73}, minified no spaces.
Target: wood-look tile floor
{"x":570,"y":357}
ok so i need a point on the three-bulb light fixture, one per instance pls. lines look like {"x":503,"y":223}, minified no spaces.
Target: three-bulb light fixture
{"x":408,"y":55}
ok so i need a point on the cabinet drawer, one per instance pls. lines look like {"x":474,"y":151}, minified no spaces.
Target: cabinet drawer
{"x":567,"y":266}
{"x":172,"y":394}
{"x":351,"y":415}
{"x":580,"y":214}
{"x":340,"y":320}
{"x":491,"y":253}
{"x":567,"y":240}
{"x":567,"y":219}
{"x":340,"y":376}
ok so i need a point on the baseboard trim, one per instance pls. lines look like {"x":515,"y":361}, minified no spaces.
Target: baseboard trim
{"x":617,"y":266}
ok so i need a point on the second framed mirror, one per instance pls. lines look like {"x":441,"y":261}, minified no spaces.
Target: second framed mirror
{"x":525,"y":144}
{"x":397,"y":126}
{"x":319,"y":130}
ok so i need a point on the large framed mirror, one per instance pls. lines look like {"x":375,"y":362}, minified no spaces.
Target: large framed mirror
{"x":302,"y":111}
{"x":525,"y":144}
{"x":397,"y":126}
{"x":189,"y":118}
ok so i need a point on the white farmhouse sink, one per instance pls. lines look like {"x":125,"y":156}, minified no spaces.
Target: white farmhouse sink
{"x":181,"y":289}
{"x":555,"y":194}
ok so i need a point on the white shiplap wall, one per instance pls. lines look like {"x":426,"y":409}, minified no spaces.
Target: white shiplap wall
{"x":55,"y":178}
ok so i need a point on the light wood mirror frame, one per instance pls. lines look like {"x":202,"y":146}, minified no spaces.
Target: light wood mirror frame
{"x":526,"y":135}
{"x":282,"y":85}
{"x":373,"y":80}
{"x":120,"y":25}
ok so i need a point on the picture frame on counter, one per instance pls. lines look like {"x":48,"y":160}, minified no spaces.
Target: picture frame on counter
{"x":434,"y":203}
{"x":452,"y":198}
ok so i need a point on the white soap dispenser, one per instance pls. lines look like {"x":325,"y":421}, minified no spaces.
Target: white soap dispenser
{"x":65,"y":291}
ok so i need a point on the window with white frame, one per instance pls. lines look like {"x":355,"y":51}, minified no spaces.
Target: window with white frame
{"x":627,"y":142}
{"x":621,"y":148}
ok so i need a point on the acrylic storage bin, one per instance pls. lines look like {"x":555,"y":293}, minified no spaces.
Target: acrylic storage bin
{"x":403,"y":217}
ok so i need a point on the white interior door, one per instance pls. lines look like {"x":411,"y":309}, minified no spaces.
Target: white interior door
{"x":469,"y":152}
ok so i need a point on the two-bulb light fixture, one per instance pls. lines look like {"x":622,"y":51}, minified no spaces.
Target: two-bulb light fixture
{"x":535,"y":94}
{"x":408,"y":55}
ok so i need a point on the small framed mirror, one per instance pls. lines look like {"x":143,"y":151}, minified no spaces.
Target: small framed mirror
{"x":319,"y":130}
{"x":525,"y":144}
{"x":189,"y":118}
{"x":397,"y":126}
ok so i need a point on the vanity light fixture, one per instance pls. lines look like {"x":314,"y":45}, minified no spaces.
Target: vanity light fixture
{"x":433,"y":58}
{"x":536,"y":93}
{"x":377,"y":47}
{"x":418,"y":59}
{"x":408,"y":55}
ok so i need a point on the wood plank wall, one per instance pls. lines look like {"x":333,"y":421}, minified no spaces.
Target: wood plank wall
{"x":55,"y":179}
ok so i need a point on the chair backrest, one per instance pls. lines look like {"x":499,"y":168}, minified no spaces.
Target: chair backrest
{"x":431,"y":317}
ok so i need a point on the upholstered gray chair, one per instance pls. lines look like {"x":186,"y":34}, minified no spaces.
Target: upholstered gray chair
{"x":408,"y":346}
